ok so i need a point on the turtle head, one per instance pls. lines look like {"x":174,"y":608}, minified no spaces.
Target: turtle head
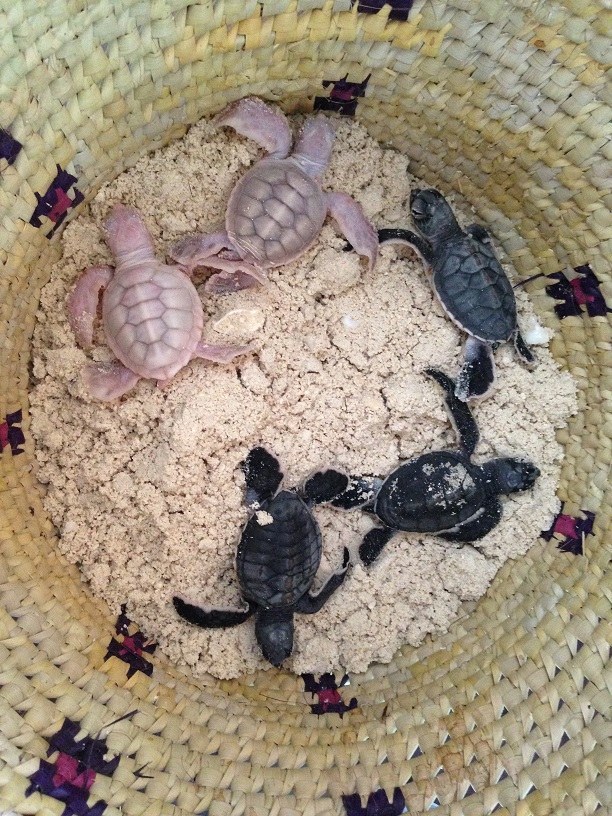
{"x":510,"y":475}
{"x":274,"y":633}
{"x":432,"y":215}
{"x":314,"y":146}
{"x":128,"y":237}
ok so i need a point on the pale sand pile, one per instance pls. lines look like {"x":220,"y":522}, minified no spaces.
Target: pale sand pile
{"x":147,"y":493}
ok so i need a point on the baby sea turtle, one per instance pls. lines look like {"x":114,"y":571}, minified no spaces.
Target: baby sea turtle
{"x":277,"y":209}
{"x":470,"y":283}
{"x":442,"y":493}
{"x":278,"y":556}
{"x":151,"y":312}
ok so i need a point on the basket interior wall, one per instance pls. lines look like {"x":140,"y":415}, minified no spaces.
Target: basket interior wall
{"x":501,"y":104}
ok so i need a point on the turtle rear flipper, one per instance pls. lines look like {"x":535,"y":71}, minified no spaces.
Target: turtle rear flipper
{"x":211,"y":618}
{"x":479,"y":526}
{"x":523,"y":350}
{"x":324,"y":486}
{"x":373,"y":543}
{"x":459,"y":411}
{"x":311,"y":603}
{"x":262,"y":474}
{"x":477,"y":375}
{"x":360,"y":492}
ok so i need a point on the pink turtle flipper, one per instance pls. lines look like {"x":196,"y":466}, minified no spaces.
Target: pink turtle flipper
{"x":234,"y":275}
{"x":83,"y":302}
{"x":354,"y":225}
{"x":219,"y":354}
{"x":254,"y":119}
{"x":108,"y":381}
{"x":195,"y":250}
{"x":128,"y":237}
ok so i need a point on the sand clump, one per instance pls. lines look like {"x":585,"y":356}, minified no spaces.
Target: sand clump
{"x":147,"y":493}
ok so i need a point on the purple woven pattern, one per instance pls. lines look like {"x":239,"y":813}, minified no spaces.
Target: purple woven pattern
{"x":577,"y":295}
{"x":377,"y":805}
{"x":343,"y":96}
{"x":11,"y":434}
{"x":49,"y":781}
{"x":88,"y":751}
{"x":55,"y":202}
{"x":329,"y":699}
{"x":570,"y":531}
{"x":130,"y":649}
{"x":400,"y":9}
{"x":9,"y":147}
{"x":75,"y":767}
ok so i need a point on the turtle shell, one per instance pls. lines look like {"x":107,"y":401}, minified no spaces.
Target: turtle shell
{"x":431,"y":494}
{"x":279,"y":552}
{"x":274,"y":213}
{"x":152,"y":319}
{"x":474,"y":290}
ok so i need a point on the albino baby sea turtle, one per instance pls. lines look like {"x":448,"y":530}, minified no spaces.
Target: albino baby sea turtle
{"x":277,"y":209}
{"x":470,"y":283}
{"x":151,"y":312}
{"x":443,"y":492}
{"x":278,"y":556}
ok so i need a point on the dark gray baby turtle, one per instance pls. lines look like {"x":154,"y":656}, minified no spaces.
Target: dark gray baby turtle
{"x":278,"y":556}
{"x":441,"y":493}
{"x":470,"y":283}
{"x":276,"y":211}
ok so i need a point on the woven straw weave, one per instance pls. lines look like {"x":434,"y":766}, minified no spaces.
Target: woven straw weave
{"x":502,"y":103}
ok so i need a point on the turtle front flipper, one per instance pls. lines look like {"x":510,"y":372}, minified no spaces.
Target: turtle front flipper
{"x":211,"y":618}
{"x":523,"y":350}
{"x":323,"y":486}
{"x":263,"y":476}
{"x":459,"y":412}
{"x":233,"y":276}
{"x":476,"y":378}
{"x":408,"y":238}
{"x":311,"y":603}
{"x":373,"y":544}
{"x":193,"y":251}
{"x":486,"y":519}
{"x":257,"y":121}
{"x":360,"y":492}
{"x":83,"y":302}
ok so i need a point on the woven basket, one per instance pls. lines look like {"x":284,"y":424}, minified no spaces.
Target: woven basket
{"x":499,"y":102}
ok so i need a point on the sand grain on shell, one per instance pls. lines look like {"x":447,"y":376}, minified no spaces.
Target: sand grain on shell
{"x":147,"y":493}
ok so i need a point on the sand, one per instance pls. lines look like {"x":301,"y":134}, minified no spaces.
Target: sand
{"x":147,"y":494}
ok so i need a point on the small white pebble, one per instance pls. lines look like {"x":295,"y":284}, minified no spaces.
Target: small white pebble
{"x":535,"y":334}
{"x":351,"y":323}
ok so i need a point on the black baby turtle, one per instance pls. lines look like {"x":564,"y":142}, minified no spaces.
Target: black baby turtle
{"x":443,"y":492}
{"x":470,"y":283}
{"x":278,"y":556}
